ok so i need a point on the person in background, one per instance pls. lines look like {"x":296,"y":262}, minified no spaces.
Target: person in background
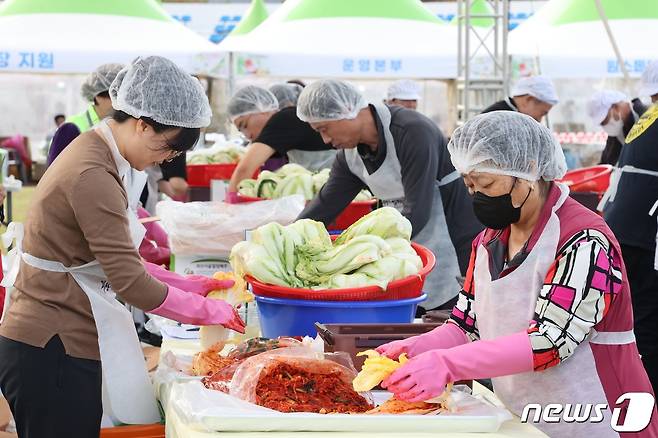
{"x":545,"y":310}
{"x":69,"y":349}
{"x":168,"y":178}
{"x":59,"y":120}
{"x":401,"y":157}
{"x":255,"y":112}
{"x":616,"y":115}
{"x":95,"y":91}
{"x":629,"y":207}
{"x":405,"y":93}
{"x":20,"y":145}
{"x":649,"y":82}
{"x":534,"y":96}
{"x":286,"y":94}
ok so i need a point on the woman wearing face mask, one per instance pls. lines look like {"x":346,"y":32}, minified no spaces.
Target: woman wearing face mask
{"x":545,"y":310}
{"x":69,"y":349}
{"x":616,"y":115}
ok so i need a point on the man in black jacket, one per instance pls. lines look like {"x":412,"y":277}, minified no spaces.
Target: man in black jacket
{"x":533,"y":96}
{"x":630,"y":211}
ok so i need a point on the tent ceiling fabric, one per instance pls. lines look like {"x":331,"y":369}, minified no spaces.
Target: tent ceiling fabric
{"x":571,"y":41}
{"x":79,"y":42}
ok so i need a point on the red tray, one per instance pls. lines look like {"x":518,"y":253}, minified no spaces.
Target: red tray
{"x":200,"y":175}
{"x":352,"y":213}
{"x":404,"y":288}
{"x":588,"y":179}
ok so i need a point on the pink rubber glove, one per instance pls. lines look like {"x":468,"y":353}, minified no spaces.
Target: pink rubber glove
{"x":197,"y":284}
{"x":231,"y":198}
{"x":157,"y":234}
{"x":154,"y":254}
{"x":447,"y":335}
{"x":426,"y":375}
{"x":154,"y":230}
{"x":193,"y":309}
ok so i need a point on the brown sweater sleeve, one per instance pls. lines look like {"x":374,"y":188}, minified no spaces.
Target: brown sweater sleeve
{"x":99,"y":205}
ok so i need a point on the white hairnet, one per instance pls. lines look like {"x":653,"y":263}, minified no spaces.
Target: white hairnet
{"x":99,"y":80}
{"x":286,"y":94}
{"x":649,"y":83}
{"x":329,"y":99}
{"x":539,"y":87}
{"x":404,"y":89}
{"x":156,"y":88}
{"x":507,"y":143}
{"x":600,"y":102}
{"x":251,"y":100}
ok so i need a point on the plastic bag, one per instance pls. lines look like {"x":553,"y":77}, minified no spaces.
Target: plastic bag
{"x":299,"y":379}
{"x":213,"y":228}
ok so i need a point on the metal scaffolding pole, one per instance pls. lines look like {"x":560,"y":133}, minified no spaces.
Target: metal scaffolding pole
{"x":483,"y":62}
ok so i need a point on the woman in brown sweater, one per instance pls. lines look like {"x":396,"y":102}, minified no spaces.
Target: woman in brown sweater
{"x":68,"y":349}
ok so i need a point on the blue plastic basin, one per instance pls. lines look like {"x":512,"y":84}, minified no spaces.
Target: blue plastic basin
{"x":282,"y":317}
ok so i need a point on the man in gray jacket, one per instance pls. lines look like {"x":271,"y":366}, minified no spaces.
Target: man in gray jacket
{"x":402,"y":157}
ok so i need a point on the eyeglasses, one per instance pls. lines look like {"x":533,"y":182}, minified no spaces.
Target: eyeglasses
{"x":173,"y":155}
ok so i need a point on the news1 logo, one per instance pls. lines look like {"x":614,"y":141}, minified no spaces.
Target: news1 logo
{"x":632,"y":412}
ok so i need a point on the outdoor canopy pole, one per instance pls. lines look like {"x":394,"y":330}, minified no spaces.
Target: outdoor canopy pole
{"x":231,"y":74}
{"x":613,"y":42}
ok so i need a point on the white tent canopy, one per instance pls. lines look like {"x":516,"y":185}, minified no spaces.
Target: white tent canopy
{"x":49,"y":36}
{"x":569,"y":38}
{"x":343,"y":38}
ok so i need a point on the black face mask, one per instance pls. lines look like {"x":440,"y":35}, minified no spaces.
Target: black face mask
{"x":497,"y":212}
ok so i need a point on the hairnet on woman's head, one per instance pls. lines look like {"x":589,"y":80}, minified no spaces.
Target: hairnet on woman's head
{"x":156,"y":88}
{"x":99,"y":80}
{"x":286,"y":94}
{"x":251,"y":100}
{"x":329,"y":99}
{"x":507,"y":143}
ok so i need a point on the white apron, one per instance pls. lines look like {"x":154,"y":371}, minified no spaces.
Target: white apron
{"x":128,"y":395}
{"x":154,"y":174}
{"x":386,"y":184}
{"x":507,"y":305}
{"x":312,"y":160}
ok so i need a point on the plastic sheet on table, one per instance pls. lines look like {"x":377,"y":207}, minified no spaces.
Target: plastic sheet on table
{"x":213,"y":411}
{"x":215,"y":227}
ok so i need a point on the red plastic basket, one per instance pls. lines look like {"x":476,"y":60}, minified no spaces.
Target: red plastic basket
{"x":352,"y":213}
{"x":410,"y":287}
{"x":200,"y":175}
{"x":589,"y":179}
